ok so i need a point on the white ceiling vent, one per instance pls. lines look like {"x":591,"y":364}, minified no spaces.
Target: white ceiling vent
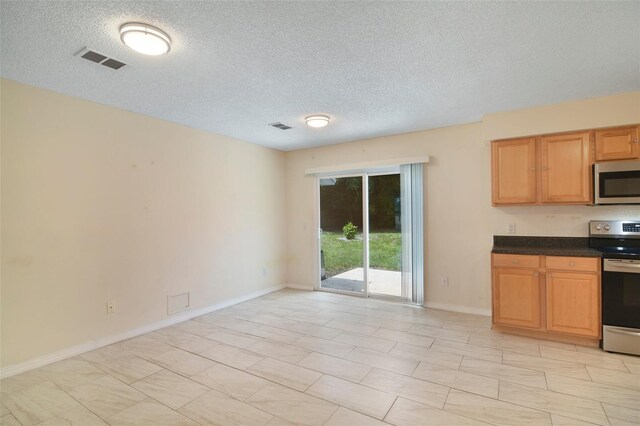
{"x":99,"y":58}
{"x":280,"y":126}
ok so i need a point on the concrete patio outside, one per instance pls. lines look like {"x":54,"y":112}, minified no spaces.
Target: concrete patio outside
{"x":387,"y":283}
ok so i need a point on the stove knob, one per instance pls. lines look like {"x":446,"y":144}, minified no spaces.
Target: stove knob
{"x":607,"y":227}
{"x":598,"y":227}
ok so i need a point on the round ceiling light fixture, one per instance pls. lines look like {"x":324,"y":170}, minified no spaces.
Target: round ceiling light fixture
{"x":145,"y":39}
{"x":317,"y":120}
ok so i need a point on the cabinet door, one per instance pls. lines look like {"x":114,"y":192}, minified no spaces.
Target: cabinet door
{"x":566,"y":168}
{"x":516,"y":297}
{"x":617,"y":144}
{"x":573,"y":303}
{"x":514,"y":171}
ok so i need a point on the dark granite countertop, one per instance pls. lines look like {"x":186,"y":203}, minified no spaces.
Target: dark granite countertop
{"x":545,"y":246}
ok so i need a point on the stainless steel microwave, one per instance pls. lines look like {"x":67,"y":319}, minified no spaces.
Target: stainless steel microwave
{"x":617,"y":182}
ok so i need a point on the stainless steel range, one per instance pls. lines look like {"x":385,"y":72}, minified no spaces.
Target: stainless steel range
{"x":619,"y":241}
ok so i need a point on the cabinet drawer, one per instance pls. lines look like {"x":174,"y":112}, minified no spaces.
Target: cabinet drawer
{"x":517,"y":260}
{"x":586,"y":264}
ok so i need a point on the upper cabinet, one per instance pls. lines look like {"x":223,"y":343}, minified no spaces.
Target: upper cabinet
{"x":514,"y":171}
{"x":553,"y":169}
{"x":619,"y":143}
{"x":556,"y":168}
{"x":566,"y":168}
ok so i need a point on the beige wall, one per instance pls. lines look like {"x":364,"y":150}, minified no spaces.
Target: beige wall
{"x":457,"y":193}
{"x":102,"y":204}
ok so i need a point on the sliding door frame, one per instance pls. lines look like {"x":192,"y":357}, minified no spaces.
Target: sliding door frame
{"x":365,"y":233}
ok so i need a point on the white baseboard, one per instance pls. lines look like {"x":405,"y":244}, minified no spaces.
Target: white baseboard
{"x":458,"y":308}
{"x":299,"y":286}
{"x":40,"y":361}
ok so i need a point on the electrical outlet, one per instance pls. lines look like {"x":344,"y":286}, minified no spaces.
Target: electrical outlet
{"x":111,"y":307}
{"x":512,"y":228}
{"x":444,"y":281}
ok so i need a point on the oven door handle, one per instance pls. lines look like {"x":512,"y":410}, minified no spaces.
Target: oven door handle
{"x":617,"y":266}
{"x":618,"y":331}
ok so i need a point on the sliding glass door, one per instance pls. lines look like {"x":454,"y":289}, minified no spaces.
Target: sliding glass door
{"x":342,"y":234}
{"x":385,"y":235}
{"x":370,"y":233}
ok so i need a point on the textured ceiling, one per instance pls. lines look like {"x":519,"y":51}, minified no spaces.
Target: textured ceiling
{"x":377,"y":68}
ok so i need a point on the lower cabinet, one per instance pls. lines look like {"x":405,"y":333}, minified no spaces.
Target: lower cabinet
{"x":553,"y":296}
{"x":516,"y":297}
{"x":573,"y":305}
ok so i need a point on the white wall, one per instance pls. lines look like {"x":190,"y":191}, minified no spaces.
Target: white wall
{"x":100,"y":204}
{"x":460,"y":221}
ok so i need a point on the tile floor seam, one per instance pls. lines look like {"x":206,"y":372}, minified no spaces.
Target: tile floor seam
{"x":605,"y":412}
{"x":492,"y":377}
{"x":389,"y":410}
{"x":414,"y":370}
{"x":334,"y":411}
{"x":549,"y":412}
{"x":502,"y":401}
{"x":351,"y":408}
{"x":546,"y":381}
{"x":150,"y":374}
{"x":466,"y":416}
{"x":596,"y":383}
{"x":205,"y":424}
{"x":79,"y":402}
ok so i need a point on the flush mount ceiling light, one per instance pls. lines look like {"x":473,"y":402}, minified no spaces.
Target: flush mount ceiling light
{"x":145,"y":39}
{"x":317,"y":120}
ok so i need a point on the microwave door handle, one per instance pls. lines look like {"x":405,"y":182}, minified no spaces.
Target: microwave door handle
{"x":618,"y":331}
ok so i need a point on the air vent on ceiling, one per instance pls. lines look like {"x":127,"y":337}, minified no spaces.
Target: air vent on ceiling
{"x":280,"y":126}
{"x":99,"y":58}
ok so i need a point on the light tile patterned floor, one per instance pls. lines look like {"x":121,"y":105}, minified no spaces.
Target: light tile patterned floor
{"x":315,"y":358}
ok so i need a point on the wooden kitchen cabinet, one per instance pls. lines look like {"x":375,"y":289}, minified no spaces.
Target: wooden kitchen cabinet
{"x":516,"y":297}
{"x":566,"y":168}
{"x":548,"y":297}
{"x":553,"y":169}
{"x":573,"y":303}
{"x":514,"y":171}
{"x":619,"y":143}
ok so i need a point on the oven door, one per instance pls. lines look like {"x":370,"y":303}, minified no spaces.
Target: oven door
{"x":617,"y":182}
{"x":621,"y":293}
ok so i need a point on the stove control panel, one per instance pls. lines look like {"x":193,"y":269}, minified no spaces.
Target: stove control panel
{"x":613,"y":228}
{"x":631,"y":227}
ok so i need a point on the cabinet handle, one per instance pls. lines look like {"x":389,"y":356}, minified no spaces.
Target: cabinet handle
{"x":635,"y":141}
{"x":515,"y":260}
{"x":548,"y":275}
{"x":572,"y":263}
{"x":535,"y":274}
